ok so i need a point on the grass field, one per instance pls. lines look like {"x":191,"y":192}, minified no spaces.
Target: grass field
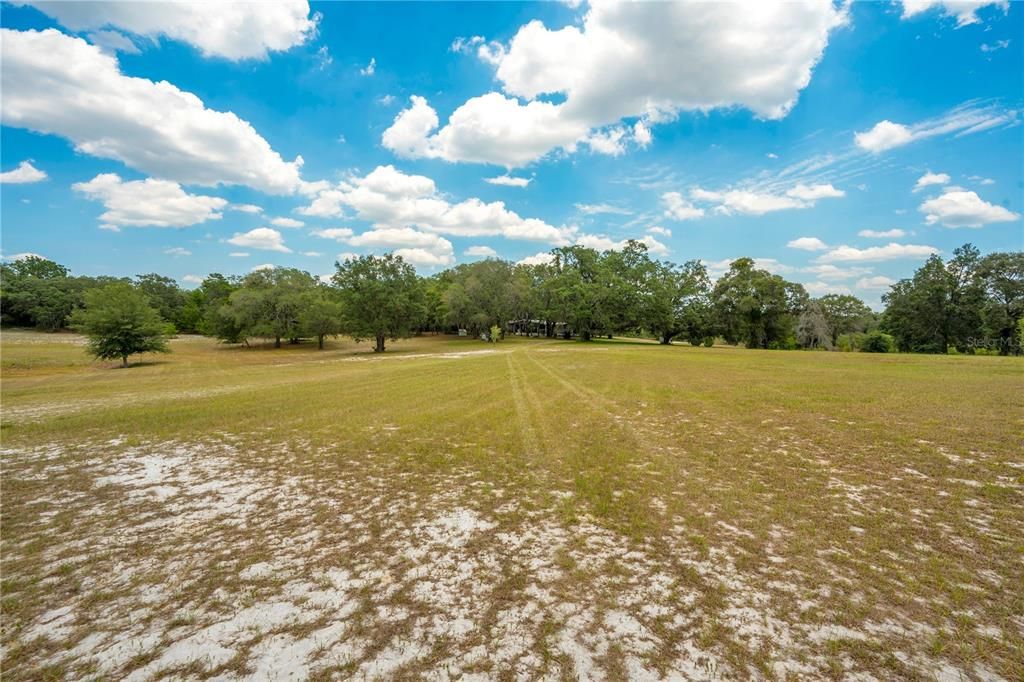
{"x":530,"y":509}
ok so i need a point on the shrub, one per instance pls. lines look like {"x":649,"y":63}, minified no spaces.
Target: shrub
{"x":878,"y":342}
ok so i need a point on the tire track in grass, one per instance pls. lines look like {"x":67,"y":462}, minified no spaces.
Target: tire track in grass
{"x":524,"y":422}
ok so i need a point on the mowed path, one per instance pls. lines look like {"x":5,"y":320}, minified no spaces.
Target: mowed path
{"x":526,"y":510}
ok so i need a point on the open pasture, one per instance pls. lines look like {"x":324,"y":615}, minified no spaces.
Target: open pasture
{"x":529,"y":509}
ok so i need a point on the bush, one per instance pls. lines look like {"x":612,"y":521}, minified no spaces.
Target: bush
{"x":852,"y":342}
{"x":709,"y":342}
{"x":877,"y":342}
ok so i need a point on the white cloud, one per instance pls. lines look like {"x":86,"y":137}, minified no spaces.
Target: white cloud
{"x":678,"y":208}
{"x":820,"y":288}
{"x":153,"y":127}
{"x":177,"y":251}
{"x":807,"y":244}
{"x":311,"y":254}
{"x":263,"y":266}
{"x":930,"y":178}
{"x":509,"y":181}
{"x":481,"y":252}
{"x":982,"y":180}
{"x":595,"y":209}
{"x":759,"y":202}
{"x":263,"y":238}
{"x":192,"y":279}
{"x":346,"y":255}
{"x":542,"y":258}
{"x":600,"y":243}
{"x":407,"y":135}
{"x":233,"y":30}
{"x":23,"y":174}
{"x":965,"y":11}
{"x":644,"y":60}
{"x":425,"y":258}
{"x":370,"y":68}
{"x":642,"y":134}
{"x":658,"y":229}
{"x":876,"y":283}
{"x":995,"y":46}
{"x":885,"y":135}
{"x":395,"y":237}
{"x":286,"y":222}
{"x":829,"y":271}
{"x":772,"y":155}
{"x":609,"y":142}
{"x":159,"y":203}
{"x":967,"y":119}
{"x":112,"y":42}
{"x":19,"y":256}
{"x":962,"y":208}
{"x":386,"y":197}
{"x":340,"y":234}
{"x":246,"y":208}
{"x":239,"y":254}
{"x":464,"y":45}
{"x":812,"y":193}
{"x":892,"y":251}
{"x":894,"y":233}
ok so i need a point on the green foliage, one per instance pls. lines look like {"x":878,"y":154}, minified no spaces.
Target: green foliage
{"x":167,"y":297}
{"x":269,"y":303}
{"x":495,"y":334}
{"x":756,"y":307}
{"x":119,"y":322}
{"x":845,"y":314}
{"x":321,"y":314}
{"x":878,"y":342}
{"x":381,"y":296}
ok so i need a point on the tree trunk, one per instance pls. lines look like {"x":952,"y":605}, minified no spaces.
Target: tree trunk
{"x":379,"y":348}
{"x":666,"y":339}
{"x":585,"y":335}
{"x":277,"y":342}
{"x":124,"y":360}
{"x":320,"y":342}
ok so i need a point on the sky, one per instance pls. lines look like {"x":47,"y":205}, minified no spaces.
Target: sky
{"x":837,"y":144}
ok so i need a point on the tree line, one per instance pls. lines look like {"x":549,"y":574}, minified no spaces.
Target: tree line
{"x":970,"y":303}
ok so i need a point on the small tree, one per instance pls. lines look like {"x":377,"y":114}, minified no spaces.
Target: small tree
{"x":320,"y":316}
{"x":877,"y":342}
{"x":119,"y":321}
{"x":382,"y":298}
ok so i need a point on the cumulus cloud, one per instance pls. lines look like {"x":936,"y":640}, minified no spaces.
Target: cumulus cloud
{"x":56,"y":84}
{"x":246,"y":208}
{"x":193,"y":279}
{"x":646,"y":61}
{"x":965,"y":11}
{"x":262,"y":266}
{"x":892,"y":251}
{"x":286,"y":222}
{"x":600,"y":243}
{"x":387,"y":197}
{"x":759,"y":202}
{"x":894,"y":233}
{"x":678,"y":208}
{"x":232,"y":30}
{"x":820,"y":288}
{"x":542,"y":258}
{"x":23,"y":174}
{"x":876,"y":283}
{"x":339,"y":234}
{"x":481,"y":252}
{"x":508,"y":181}
{"x":967,"y":119}
{"x":811,"y":193}
{"x":807,"y":244}
{"x":884,"y":135}
{"x":929,"y":179}
{"x":829,"y":271}
{"x":658,"y":229}
{"x":370,"y":68}
{"x":963,"y":208}
{"x":149,"y":202}
{"x":239,"y":254}
{"x":262,"y":238}
{"x":177,"y":251}
{"x":425,"y":258}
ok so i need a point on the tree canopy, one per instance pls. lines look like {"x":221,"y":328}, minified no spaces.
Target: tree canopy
{"x":120,"y":322}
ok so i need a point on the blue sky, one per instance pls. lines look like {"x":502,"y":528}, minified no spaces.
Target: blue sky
{"x":838,"y":144}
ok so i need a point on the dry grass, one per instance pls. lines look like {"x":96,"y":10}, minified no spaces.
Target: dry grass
{"x":541,"y":509}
